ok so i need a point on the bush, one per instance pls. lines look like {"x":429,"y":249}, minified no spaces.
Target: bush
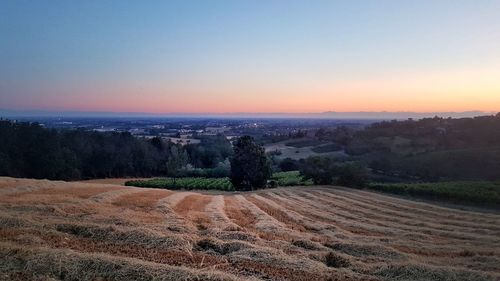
{"x":222,"y":170}
{"x":289,"y":164}
{"x":272,"y":184}
{"x":320,"y":170}
{"x":324,"y":170}
{"x":352,"y":175}
{"x":290,"y":178}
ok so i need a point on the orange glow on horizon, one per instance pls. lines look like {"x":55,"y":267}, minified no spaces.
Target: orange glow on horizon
{"x":463,"y":90}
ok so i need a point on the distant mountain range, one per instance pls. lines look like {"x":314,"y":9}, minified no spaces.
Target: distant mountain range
{"x":379,"y":115}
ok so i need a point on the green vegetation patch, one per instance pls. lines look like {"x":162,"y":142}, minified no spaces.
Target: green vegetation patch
{"x":305,"y":143}
{"x":291,"y":178}
{"x":185,"y":183}
{"x":476,"y":192}
{"x":332,"y":147}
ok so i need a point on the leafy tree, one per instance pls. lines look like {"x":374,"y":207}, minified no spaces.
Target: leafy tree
{"x":250,"y":167}
{"x":177,"y":159}
{"x":324,"y":170}
{"x":288,"y":164}
{"x":209,"y":152}
{"x":320,"y":169}
{"x":352,"y":175}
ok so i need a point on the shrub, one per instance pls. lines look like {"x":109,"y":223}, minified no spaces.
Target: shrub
{"x":290,"y":178}
{"x":320,"y":169}
{"x":352,"y":175}
{"x":289,"y":164}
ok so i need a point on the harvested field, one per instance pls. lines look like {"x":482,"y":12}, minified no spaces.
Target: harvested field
{"x":97,"y":231}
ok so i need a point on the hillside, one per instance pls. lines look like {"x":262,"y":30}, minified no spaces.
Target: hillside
{"x":97,"y":231}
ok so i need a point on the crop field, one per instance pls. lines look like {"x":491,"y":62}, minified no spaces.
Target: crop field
{"x":472,"y":192}
{"x":185,"y":183}
{"x":302,"y":149}
{"x":291,"y":178}
{"x":54,"y":230}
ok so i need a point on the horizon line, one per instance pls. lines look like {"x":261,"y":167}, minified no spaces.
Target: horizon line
{"x":324,"y":114}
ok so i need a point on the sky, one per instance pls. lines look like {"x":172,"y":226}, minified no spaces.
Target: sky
{"x":261,"y":56}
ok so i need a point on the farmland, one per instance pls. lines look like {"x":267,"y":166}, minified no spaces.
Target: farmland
{"x":291,"y":178}
{"x":479,"y":193}
{"x":302,"y":149}
{"x":54,"y":230}
{"x":185,"y":183}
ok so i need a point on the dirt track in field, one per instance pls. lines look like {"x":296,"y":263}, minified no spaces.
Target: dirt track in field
{"x":98,"y":231}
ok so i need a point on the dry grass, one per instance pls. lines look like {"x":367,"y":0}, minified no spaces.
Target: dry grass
{"x":193,"y":207}
{"x":277,"y":213}
{"x":145,"y":200}
{"x":95,"y":231}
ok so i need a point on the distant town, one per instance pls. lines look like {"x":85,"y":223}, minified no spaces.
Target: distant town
{"x":189,"y":130}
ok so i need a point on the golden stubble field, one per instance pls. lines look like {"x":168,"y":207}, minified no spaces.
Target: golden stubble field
{"x":52,"y":230}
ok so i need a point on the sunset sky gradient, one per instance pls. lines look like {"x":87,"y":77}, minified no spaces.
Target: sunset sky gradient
{"x":250,"y":56}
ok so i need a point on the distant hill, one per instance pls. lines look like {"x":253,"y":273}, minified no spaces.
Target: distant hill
{"x":372,"y":115}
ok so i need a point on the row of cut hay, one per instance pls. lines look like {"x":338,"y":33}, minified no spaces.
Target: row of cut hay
{"x":139,"y":236}
{"x":215,"y":212}
{"x":370,"y":222}
{"x":310,"y":224}
{"x":277,"y":212}
{"x":405,"y":208}
{"x":166,"y":254}
{"x":110,"y":196}
{"x":143,"y":237}
{"x":406,"y":217}
{"x":373,"y":252}
{"x":43,"y":263}
{"x":478,"y":249}
{"x":192,"y":208}
{"x":405,"y":271}
{"x":145,"y":200}
{"x":53,"y":195}
{"x":350,"y":224}
{"x":415,"y":207}
{"x":173,"y":221}
{"x":394,"y":222}
{"x":241,"y":217}
{"x":329,"y":224}
{"x":264,"y":223}
{"x":174,"y":199}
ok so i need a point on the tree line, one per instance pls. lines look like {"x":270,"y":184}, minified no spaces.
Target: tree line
{"x":32,"y":151}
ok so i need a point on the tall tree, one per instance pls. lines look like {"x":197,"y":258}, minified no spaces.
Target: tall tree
{"x":250,"y":167}
{"x":177,"y":159}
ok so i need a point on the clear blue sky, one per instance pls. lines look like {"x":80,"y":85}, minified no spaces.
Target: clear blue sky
{"x":253,"y":56}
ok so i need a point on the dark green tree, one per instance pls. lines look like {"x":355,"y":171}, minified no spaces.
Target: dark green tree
{"x":324,"y":170}
{"x":352,"y":175}
{"x":250,"y":167}
{"x":289,"y":164}
{"x":177,"y":159}
{"x":320,"y":169}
